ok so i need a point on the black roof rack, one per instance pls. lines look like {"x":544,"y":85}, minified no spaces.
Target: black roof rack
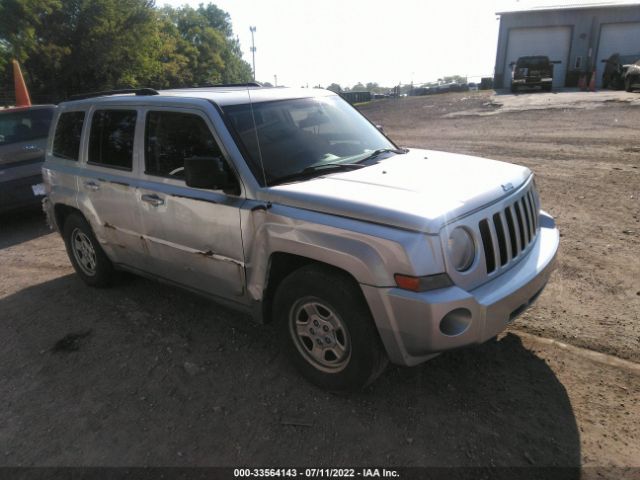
{"x":137,"y":91}
{"x":223,"y":85}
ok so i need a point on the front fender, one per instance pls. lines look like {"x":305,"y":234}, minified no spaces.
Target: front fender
{"x":370,"y":253}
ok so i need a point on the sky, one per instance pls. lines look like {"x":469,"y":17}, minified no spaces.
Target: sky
{"x":305,"y":42}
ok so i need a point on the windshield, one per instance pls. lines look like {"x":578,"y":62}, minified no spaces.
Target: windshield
{"x":296,"y":134}
{"x":533,"y":62}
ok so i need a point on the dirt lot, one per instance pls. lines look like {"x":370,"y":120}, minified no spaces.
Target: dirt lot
{"x":165,"y":378}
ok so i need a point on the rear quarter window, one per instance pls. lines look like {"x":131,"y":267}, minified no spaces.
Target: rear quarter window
{"x":66,"y":140}
{"x":24,"y":125}
{"x":111,"y":138}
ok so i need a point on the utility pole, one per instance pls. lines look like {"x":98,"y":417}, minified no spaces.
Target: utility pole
{"x":253,"y":51}
{"x":275,"y":80}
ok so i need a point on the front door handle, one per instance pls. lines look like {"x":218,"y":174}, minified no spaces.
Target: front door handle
{"x":154,"y":200}
{"x":93,"y":186}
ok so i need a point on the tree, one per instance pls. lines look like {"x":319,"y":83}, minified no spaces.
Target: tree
{"x":334,"y":87}
{"x":73,"y":46}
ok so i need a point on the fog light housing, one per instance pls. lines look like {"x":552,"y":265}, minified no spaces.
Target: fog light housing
{"x":456,"y":322}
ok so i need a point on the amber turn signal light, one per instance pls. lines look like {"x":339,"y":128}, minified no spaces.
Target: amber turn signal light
{"x":423,"y":284}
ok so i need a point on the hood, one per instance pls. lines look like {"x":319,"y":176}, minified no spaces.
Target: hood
{"x":420,"y":190}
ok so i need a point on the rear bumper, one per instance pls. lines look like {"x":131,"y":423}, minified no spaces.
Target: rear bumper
{"x":17,"y":193}
{"x":417,"y":326}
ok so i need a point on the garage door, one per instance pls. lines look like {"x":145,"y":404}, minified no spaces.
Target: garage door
{"x":622,"y":38}
{"x":550,"y":41}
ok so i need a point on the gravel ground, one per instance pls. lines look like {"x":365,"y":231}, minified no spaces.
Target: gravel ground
{"x":156,"y":376}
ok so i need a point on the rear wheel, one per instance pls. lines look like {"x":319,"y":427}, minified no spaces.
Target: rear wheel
{"x":327,"y":329}
{"x":87,"y":257}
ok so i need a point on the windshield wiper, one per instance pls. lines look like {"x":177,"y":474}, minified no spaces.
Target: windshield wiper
{"x":380,"y":151}
{"x":315,"y":170}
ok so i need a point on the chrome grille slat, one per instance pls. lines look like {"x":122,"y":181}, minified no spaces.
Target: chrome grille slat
{"x":507,"y":236}
{"x":523,"y":234}
{"x":513,"y":231}
{"x":496,"y":245}
{"x":508,"y":232}
{"x":532,"y":205}
{"x":500,"y":237}
{"x":487,"y":243}
{"x":527,"y":219}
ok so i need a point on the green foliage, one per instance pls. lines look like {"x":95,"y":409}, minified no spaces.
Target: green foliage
{"x":334,"y":87}
{"x":74,"y":46}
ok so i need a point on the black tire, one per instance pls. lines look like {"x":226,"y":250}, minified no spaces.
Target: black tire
{"x":77,"y":231}
{"x":353,"y":356}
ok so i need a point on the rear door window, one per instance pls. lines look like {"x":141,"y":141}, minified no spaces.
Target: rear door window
{"x":66,"y":141}
{"x":170,"y":137}
{"x":111,"y":138}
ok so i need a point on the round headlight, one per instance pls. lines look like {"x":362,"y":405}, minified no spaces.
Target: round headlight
{"x":462,"y":249}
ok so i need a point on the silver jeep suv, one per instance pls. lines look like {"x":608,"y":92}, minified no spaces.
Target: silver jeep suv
{"x":290,"y":206}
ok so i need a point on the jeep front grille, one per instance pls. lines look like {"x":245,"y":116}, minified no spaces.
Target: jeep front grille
{"x":507,"y":233}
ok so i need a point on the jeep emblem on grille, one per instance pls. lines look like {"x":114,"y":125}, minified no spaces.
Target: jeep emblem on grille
{"x":506,"y":187}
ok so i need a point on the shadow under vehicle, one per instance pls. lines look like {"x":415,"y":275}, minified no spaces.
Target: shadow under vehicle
{"x":495,"y":409}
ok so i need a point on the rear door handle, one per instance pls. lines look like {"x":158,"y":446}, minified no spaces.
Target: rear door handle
{"x":92,"y":186}
{"x":154,"y":200}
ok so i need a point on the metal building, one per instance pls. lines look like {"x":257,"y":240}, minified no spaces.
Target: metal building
{"x":579,"y":35}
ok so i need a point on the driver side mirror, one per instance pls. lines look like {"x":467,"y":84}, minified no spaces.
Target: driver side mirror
{"x":208,"y":172}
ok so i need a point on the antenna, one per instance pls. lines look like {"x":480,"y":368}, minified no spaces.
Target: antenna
{"x":255,"y":129}
{"x":253,"y":51}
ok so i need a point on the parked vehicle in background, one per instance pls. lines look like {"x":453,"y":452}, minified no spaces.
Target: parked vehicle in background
{"x":289,"y":205}
{"x":532,"y":71}
{"x":616,"y":65}
{"x":23,"y":138}
{"x":632,"y":76}
{"x":473,"y":87}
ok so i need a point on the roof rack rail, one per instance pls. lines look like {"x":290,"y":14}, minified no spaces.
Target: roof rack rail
{"x":224,"y":85}
{"x":137,"y":91}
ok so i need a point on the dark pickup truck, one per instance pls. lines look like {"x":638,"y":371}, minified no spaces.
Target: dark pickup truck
{"x":534,"y":71}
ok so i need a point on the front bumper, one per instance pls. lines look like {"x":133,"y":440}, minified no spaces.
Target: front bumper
{"x":413,"y":325}
{"x":532,"y":82}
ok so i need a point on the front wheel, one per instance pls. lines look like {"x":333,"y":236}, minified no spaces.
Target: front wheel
{"x":327,"y":329}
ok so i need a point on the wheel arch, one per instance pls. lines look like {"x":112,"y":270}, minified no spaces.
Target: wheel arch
{"x":61,"y":212}
{"x":281,"y":264}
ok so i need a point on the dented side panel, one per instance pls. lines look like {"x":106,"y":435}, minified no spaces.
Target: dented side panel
{"x":194,"y":241}
{"x":370,"y":253}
